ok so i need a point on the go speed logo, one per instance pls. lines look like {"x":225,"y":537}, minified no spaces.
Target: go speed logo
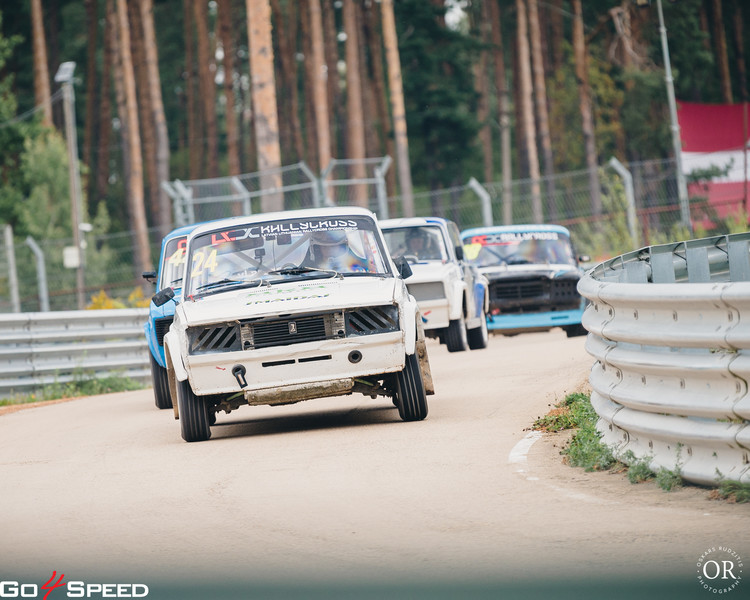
{"x":72,"y":589}
{"x":719,"y":570}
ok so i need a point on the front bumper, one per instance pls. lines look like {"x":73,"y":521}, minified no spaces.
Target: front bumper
{"x":541,"y":321}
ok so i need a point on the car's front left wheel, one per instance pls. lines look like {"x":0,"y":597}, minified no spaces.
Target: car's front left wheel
{"x":411,"y":399}
{"x":194,"y":420}
{"x":160,"y":381}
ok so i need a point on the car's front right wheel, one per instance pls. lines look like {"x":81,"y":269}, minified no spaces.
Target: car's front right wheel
{"x":411,"y":399}
{"x":194,"y":420}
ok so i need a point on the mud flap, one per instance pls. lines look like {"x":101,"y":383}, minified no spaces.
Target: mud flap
{"x":424,"y":363}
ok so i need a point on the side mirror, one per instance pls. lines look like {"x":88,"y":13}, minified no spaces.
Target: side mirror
{"x":163,"y":296}
{"x":584,"y":258}
{"x":402,"y":265}
{"x":460,"y":252}
{"x":149,"y":276}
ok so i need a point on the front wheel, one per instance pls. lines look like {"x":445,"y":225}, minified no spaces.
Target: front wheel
{"x":455,"y":336}
{"x":411,"y":399}
{"x":160,"y":381}
{"x":478,"y":337}
{"x":194,"y":420}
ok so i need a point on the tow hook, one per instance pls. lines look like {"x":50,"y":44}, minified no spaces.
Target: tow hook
{"x":239,"y":374}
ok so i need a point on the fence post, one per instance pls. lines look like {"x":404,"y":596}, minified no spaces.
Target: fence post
{"x":10,"y":252}
{"x":630,"y":196}
{"x":485,"y":199}
{"x":41,"y":273}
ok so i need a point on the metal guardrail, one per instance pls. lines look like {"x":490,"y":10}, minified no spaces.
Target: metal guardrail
{"x":39,"y":349}
{"x":670,"y":331}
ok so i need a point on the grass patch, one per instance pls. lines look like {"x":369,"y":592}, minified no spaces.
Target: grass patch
{"x":82,"y":385}
{"x":585,"y":448}
{"x":732,"y":491}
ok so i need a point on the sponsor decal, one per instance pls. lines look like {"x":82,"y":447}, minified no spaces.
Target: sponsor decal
{"x":57,"y":587}
{"x":719,"y":570}
{"x":499,"y":239}
{"x":302,"y":292}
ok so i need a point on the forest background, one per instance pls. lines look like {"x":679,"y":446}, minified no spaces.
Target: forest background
{"x":497,"y":90}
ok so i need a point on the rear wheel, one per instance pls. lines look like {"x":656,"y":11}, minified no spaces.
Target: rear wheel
{"x":194,"y":420}
{"x":455,"y":336}
{"x":411,"y":399}
{"x":478,"y":337}
{"x":160,"y":382}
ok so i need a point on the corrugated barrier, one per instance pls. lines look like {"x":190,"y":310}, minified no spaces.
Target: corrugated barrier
{"x":669,"y":327}
{"x":39,"y":349}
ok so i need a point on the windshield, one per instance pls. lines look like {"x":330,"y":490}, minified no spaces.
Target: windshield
{"x":266,"y":253}
{"x":419,"y":243}
{"x":517,"y":248}
{"x":173,"y":263}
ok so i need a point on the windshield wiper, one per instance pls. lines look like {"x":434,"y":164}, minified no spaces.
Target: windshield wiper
{"x":302,"y":270}
{"x":216,"y":286}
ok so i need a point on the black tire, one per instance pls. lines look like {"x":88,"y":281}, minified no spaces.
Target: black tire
{"x":160,"y":381}
{"x":479,"y":336}
{"x":575,"y":330}
{"x":455,"y":336}
{"x":411,"y":399}
{"x":194,"y":421}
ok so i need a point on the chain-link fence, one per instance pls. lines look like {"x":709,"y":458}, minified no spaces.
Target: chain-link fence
{"x":651,"y":203}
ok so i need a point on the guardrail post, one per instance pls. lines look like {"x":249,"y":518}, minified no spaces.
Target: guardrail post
{"x":485,"y":199}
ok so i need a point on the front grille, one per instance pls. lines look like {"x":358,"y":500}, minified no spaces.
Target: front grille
{"x":534,"y":294}
{"x":273,"y":332}
{"x":161,"y":327}
{"x":432,"y":290}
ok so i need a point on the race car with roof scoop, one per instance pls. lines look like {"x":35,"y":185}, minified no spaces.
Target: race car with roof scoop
{"x":533,"y":273}
{"x":283,"y":307}
{"x":451,"y":293}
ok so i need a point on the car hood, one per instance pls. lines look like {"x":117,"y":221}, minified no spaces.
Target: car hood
{"x":422,"y":272}
{"x":293,"y":297}
{"x":531,"y":270}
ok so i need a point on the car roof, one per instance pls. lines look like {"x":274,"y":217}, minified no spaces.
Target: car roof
{"x":181,"y":231}
{"x":412,"y":222}
{"x":515,"y":229}
{"x":332,"y":211}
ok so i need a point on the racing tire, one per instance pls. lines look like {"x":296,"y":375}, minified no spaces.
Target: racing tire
{"x":478,"y":336}
{"x":160,"y":381}
{"x":194,"y":421}
{"x":411,"y":399}
{"x":575,"y":330}
{"x":455,"y":336}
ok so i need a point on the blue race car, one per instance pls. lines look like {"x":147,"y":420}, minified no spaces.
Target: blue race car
{"x":171,"y":269}
{"x":533,"y":272}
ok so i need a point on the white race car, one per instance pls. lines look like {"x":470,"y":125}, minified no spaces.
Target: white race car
{"x":283,"y":307}
{"x":451,"y":293}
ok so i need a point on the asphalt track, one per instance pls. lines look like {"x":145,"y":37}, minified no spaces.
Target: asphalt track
{"x":339,"y":498}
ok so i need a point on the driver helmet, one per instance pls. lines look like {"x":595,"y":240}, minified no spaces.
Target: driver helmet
{"x":328,"y":239}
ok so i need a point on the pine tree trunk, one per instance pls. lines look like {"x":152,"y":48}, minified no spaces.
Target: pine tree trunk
{"x":41,"y":71}
{"x":542,"y":113}
{"x":148,"y":147}
{"x":206,"y":70}
{"x":163,"y":208}
{"x":375,"y":45}
{"x":320,"y":74}
{"x":195,"y":129}
{"x":355,"y":132}
{"x":125,"y":83}
{"x":312,"y":146}
{"x":264,"y":99}
{"x":92,"y":98}
{"x":503,"y":107}
{"x":105,"y":117}
{"x":227,"y":43}
{"x":335,"y":101}
{"x":587,"y":117}
{"x":481,"y":79}
{"x":527,"y":111}
{"x":720,"y":49}
{"x":398,"y":112}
